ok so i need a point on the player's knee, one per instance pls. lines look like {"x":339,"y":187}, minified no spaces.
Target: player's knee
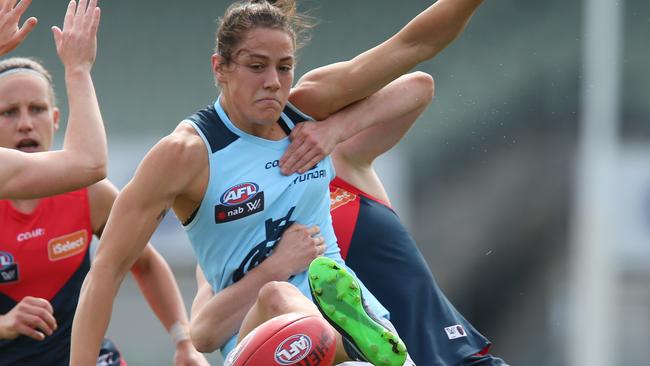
{"x":276,"y":297}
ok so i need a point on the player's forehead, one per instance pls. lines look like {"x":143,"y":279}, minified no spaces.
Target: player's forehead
{"x":22,"y":86}
{"x":267,"y":44}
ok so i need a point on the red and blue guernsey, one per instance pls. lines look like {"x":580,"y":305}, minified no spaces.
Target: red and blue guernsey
{"x":44,"y":254}
{"x":249,"y":203}
{"x":375,"y":243}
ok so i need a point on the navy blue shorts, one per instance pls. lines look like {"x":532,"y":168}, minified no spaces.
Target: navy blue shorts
{"x":387,"y":260}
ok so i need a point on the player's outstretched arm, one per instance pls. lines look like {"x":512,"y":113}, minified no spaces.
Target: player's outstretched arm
{"x":82,"y":161}
{"x":325,"y":90}
{"x":11,"y":34}
{"x":215,"y":318}
{"x":76,"y":44}
{"x":135,"y":215}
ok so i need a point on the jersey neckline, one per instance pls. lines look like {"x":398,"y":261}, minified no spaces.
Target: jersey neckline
{"x":281,"y":144}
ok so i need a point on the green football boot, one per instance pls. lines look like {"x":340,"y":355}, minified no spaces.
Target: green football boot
{"x":338,"y":296}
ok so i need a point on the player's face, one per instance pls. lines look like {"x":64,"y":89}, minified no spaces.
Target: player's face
{"x":257,"y":82}
{"x":28,"y":118}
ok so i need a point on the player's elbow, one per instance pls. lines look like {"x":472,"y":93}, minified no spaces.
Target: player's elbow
{"x":148,"y":260}
{"x":100,"y":167}
{"x":96,"y":163}
{"x":108,"y":267}
{"x":424,"y":85}
{"x":96,"y":168}
{"x":201,"y":339}
{"x":99,"y":172}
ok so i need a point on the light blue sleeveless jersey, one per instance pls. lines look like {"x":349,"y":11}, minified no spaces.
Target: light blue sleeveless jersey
{"x":249,"y":203}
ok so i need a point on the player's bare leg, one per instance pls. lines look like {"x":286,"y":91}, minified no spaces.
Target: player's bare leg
{"x":275,"y":298}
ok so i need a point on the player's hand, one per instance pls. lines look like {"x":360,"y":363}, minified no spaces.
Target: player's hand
{"x":310,"y":143}
{"x":187,"y":355}
{"x":298,"y":246}
{"x":11,"y":35}
{"x":76,"y":44}
{"x":32,"y":317}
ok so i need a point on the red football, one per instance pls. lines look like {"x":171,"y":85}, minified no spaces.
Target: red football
{"x":289,"y":339}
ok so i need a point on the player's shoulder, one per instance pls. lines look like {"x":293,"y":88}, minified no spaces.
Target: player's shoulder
{"x":101,"y":197}
{"x":182,"y":151}
{"x":183,"y":142}
{"x":103,"y":191}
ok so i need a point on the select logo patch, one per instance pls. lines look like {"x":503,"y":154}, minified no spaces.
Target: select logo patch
{"x":340,"y":197}
{"x":67,"y":245}
{"x":293,"y":349}
{"x":239,"y":201}
{"x":8,"y":268}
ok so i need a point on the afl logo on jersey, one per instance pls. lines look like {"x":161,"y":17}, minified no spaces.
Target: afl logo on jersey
{"x":239,"y":201}
{"x":239,"y":194}
{"x":8,"y":269}
{"x":293,"y":349}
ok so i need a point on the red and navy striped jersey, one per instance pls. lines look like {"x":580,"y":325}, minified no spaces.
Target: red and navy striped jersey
{"x":44,"y":254}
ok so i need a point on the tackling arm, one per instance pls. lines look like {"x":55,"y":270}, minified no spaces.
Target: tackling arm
{"x":360,"y":132}
{"x":389,"y":114}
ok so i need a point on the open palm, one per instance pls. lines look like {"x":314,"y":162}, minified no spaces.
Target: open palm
{"x":11,"y":35}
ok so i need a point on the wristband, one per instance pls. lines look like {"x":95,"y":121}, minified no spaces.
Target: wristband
{"x":178,"y":333}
